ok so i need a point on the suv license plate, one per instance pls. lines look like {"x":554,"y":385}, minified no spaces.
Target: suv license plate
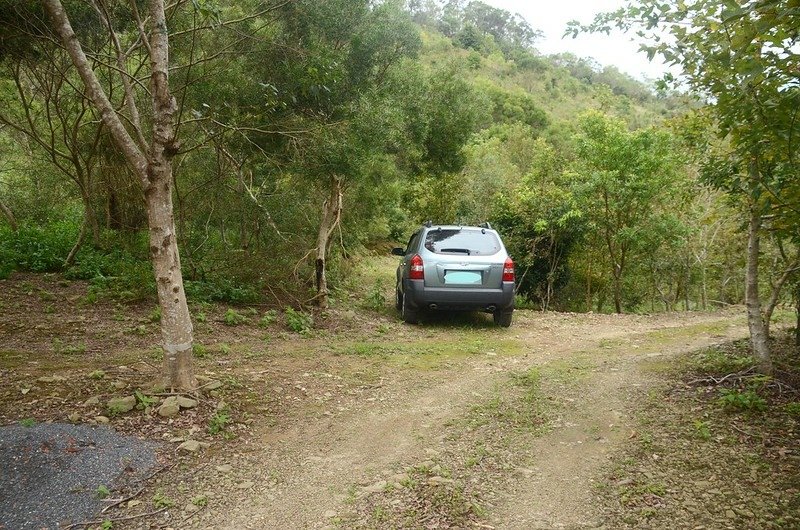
{"x":462,"y":277}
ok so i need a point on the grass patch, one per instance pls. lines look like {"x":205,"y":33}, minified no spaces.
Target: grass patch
{"x":448,"y":491}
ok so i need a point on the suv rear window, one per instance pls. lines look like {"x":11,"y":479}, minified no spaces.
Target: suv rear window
{"x":466,"y":242}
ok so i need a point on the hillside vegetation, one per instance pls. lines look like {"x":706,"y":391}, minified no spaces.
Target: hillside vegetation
{"x":307,"y":134}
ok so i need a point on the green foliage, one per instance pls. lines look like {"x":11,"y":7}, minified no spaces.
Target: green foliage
{"x":107,"y":525}
{"x":36,"y":248}
{"x":27,"y":422}
{"x":715,"y":361}
{"x":144,"y":401}
{"x":702,"y":429}
{"x":375,"y":299}
{"x":626,"y":183}
{"x":219,"y":421}
{"x":793,"y":409}
{"x":736,"y":400}
{"x":221,"y":289}
{"x":160,"y":499}
{"x":199,"y":351}
{"x":298,"y":321}
{"x":234,"y":318}
{"x":269,"y":318}
{"x":97,"y":374}
{"x":200,"y":500}
{"x":417,"y":128}
{"x":102,"y":492}
{"x":155,"y":314}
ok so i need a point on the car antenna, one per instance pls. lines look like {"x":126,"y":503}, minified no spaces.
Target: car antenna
{"x":428,"y":223}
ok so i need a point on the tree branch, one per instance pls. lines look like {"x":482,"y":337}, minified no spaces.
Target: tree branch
{"x":64,"y":30}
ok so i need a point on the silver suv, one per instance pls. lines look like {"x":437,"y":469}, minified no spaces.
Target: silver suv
{"x":457,"y":268}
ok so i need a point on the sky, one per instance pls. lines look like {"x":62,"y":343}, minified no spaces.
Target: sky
{"x":551,"y":17}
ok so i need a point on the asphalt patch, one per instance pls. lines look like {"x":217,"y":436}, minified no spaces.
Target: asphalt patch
{"x":51,"y":474}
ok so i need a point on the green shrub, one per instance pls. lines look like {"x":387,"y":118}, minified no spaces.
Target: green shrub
{"x":269,"y":318}
{"x":218,"y":422}
{"x":37,"y":248}
{"x":793,"y":409}
{"x":298,"y":321}
{"x":737,"y":400}
{"x":233,"y":318}
{"x":375,"y":299}
{"x":717,"y":361}
{"x":199,"y":351}
{"x":213,"y":289}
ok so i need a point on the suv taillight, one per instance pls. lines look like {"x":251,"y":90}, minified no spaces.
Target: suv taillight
{"x":417,"y":271}
{"x":508,"y":270}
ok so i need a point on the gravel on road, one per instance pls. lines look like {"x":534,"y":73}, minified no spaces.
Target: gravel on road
{"x":54,"y":474}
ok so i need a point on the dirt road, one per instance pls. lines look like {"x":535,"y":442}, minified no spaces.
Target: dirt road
{"x":376,"y":405}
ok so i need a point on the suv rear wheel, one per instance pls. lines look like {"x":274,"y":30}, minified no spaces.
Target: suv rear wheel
{"x":503,"y":318}
{"x":409,"y":315}
{"x":398,"y":298}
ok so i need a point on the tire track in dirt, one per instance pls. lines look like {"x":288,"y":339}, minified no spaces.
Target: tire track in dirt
{"x":557,"y":491}
{"x":302,"y":477}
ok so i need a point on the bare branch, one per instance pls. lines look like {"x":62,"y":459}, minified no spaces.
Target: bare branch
{"x":64,"y":30}
{"x":130,"y":101}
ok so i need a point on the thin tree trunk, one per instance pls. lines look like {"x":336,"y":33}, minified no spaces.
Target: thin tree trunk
{"x":686,"y":288}
{"x":703,"y":288}
{"x":797,"y":316}
{"x":758,"y":333}
{"x":589,"y":287}
{"x":176,"y":323}
{"x":617,"y":292}
{"x":331,"y":215}
{"x":775,"y":296}
{"x":9,"y":215}
{"x":90,"y":219}
{"x":79,"y":243}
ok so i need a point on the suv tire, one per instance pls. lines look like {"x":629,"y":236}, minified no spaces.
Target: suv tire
{"x":409,"y":315}
{"x":503,"y":318}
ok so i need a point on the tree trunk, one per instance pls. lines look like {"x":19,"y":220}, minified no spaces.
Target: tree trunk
{"x":758,"y":334}
{"x":797,"y":316}
{"x":9,"y":215}
{"x":775,"y":296}
{"x":617,"y":292}
{"x":589,"y":287}
{"x":176,"y":324}
{"x":703,"y":289}
{"x":331,"y":215}
{"x":79,"y":243}
{"x":90,"y":218}
{"x":154,"y":170}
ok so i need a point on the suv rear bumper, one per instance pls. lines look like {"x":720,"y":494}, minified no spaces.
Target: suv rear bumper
{"x":452,"y":298}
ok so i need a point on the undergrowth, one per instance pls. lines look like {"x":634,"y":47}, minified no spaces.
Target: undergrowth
{"x":714,"y":448}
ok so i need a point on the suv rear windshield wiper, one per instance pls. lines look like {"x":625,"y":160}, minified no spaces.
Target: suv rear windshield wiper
{"x":456,"y":250}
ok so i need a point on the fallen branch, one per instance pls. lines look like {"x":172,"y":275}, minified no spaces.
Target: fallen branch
{"x":115,"y":520}
{"x":734,"y":376}
{"x":120,"y":501}
{"x":743,"y":431}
